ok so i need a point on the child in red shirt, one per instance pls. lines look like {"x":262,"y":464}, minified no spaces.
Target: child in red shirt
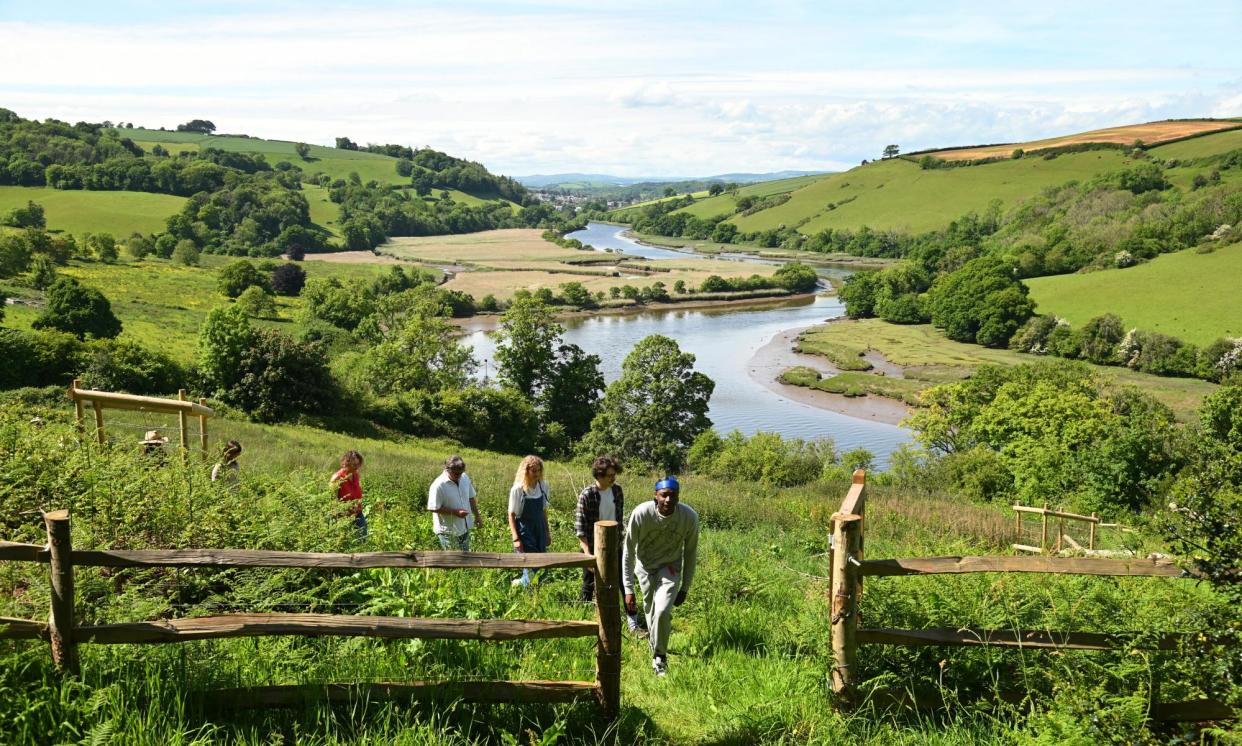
{"x":348,"y":488}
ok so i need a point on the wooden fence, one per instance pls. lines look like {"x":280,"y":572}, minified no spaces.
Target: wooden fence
{"x":101,"y":400}
{"x":849,"y":568}
{"x":64,"y":634}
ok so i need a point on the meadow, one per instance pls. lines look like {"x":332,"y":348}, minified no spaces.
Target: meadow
{"x":927,"y":357}
{"x":161,"y":304}
{"x":749,"y":658}
{"x":1150,"y":133}
{"x":79,"y":211}
{"x":1199,"y":298}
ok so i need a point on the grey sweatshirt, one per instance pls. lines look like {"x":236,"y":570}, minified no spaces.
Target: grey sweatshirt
{"x":656,"y":541}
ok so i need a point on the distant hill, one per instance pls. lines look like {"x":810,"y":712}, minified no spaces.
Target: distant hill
{"x":577,"y":180}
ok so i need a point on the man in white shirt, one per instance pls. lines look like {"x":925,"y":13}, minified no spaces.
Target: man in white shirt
{"x":451,"y":501}
{"x":661,"y":548}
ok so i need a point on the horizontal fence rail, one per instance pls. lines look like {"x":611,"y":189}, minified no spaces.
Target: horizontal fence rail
{"x":65,"y":635}
{"x":1010,"y":639}
{"x":328,"y":561}
{"x":1160,"y":568}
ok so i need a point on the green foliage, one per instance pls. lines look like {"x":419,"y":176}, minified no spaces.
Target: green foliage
{"x":796,"y":277}
{"x":30,"y":216}
{"x":79,"y":310}
{"x":288,"y":279}
{"x":121,"y":365}
{"x":981,"y":302}
{"x":413,"y":346}
{"x":14,"y":254}
{"x":327,"y":299}
{"x":185,"y":253}
{"x":654,"y":411}
{"x":38,"y":358}
{"x":226,"y":335}
{"x":858,"y":294}
{"x":525,"y":346}
{"x":235,"y":277}
{"x":278,"y":378}
{"x":764,"y":458}
{"x":256,"y":303}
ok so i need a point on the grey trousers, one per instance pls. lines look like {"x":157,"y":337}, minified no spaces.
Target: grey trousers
{"x":659,"y":589}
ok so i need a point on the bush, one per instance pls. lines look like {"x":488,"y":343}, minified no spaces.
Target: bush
{"x":764,"y":458}
{"x":328,"y":300}
{"x":47,"y":358}
{"x":288,"y":279}
{"x":278,"y":377}
{"x":30,"y":216}
{"x":186,"y":253}
{"x":78,"y":310}
{"x":14,"y":255}
{"x":236,"y":276}
{"x":256,"y":303}
{"x":121,"y":365}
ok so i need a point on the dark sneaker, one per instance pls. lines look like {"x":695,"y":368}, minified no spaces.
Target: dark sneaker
{"x":659,"y":665}
{"x":638,"y":631}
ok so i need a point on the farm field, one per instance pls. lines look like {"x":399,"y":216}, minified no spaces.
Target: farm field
{"x":1150,"y":133}
{"x":1199,"y":297}
{"x":928,"y":356}
{"x":1201,"y":147}
{"x":79,"y":211}
{"x":749,"y":658}
{"x":161,"y":304}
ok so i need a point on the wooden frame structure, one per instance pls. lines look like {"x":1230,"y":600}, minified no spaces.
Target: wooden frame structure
{"x":849,"y":568}
{"x":1092,"y":521}
{"x":64,"y":634}
{"x":101,"y":400}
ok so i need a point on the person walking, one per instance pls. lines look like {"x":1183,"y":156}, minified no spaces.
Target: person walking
{"x":528,"y":513}
{"x":227,"y":470}
{"x":451,"y":501}
{"x":661,"y":548}
{"x":348,"y":486}
{"x":604,"y":500}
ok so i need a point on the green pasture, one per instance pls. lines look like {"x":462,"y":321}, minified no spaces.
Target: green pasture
{"x":78,"y":211}
{"x":161,"y":304}
{"x":929,"y":357}
{"x":898,"y":195}
{"x":1200,"y":147}
{"x":750,"y":652}
{"x":1190,"y":295}
{"x":323,"y":212}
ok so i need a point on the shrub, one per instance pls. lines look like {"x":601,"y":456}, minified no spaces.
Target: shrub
{"x":78,"y":310}
{"x":764,"y":458}
{"x":328,"y":300}
{"x":256,"y":303}
{"x":186,"y":253}
{"x":42,"y":272}
{"x":278,"y":377}
{"x":1100,"y":337}
{"x":121,"y":365}
{"x":30,"y":216}
{"x":14,"y":255}
{"x":288,"y":279}
{"x":44,"y":358}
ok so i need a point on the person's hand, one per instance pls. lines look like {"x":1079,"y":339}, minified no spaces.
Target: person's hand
{"x":631,"y":604}
{"x":681,"y":598}
{"x":462,"y":513}
{"x":478,"y":519}
{"x":518,"y":545}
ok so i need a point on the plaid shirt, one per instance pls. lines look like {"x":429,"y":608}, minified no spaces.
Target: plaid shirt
{"x":587,"y":512}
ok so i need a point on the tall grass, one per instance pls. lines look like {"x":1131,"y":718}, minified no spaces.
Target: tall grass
{"x":750,"y":650}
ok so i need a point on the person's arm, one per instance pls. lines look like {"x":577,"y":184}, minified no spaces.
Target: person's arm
{"x":627,"y":561}
{"x":580,"y":522}
{"x":513,"y":531}
{"x":515,"y":504}
{"x":547,"y":502}
{"x":690,"y":559}
{"x":474,"y":505}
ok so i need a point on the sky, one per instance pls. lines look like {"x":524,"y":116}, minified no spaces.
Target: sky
{"x":632,"y":89}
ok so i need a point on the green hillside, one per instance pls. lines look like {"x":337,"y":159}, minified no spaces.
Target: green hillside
{"x":1189,"y":295}
{"x":1200,"y":147}
{"x":77,"y":211}
{"x":706,"y":206}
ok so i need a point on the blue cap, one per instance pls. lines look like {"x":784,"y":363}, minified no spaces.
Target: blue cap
{"x":668,"y":483}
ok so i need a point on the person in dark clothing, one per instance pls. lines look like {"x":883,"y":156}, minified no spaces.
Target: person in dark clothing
{"x":602,"y":500}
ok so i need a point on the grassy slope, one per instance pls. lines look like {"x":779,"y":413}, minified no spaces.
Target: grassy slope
{"x":1148,"y":132}
{"x":77,"y":211}
{"x":1198,"y":294}
{"x":897,"y":194}
{"x":162,"y":305}
{"x":933,"y":358}
{"x":723,"y":204}
{"x":749,"y":658}
{"x":1200,"y":147}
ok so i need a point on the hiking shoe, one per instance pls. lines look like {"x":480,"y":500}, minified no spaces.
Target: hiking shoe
{"x":659,"y":665}
{"x":638,"y":630}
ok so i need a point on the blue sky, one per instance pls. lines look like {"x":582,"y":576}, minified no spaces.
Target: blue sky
{"x":659,"y":88}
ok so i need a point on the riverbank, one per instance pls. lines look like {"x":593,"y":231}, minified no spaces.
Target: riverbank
{"x":753,"y":253}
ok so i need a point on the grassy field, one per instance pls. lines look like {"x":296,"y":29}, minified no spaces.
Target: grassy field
{"x":162,"y":304}
{"x":78,"y":211}
{"x":502,"y":261}
{"x":930,"y":358}
{"x":1150,"y":133}
{"x":1201,"y":147}
{"x":1198,"y":294}
{"x":707,"y":206}
{"x":749,"y":658}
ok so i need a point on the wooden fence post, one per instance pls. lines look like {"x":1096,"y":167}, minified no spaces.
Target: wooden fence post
{"x":202,"y":429}
{"x":1091,"y":538}
{"x":1043,"y":531}
{"x":60,"y":622}
{"x":847,"y":538}
{"x":99,"y":427}
{"x":608,"y":614}
{"x":78,"y":414}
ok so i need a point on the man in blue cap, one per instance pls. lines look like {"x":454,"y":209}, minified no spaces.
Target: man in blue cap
{"x":661,"y":548}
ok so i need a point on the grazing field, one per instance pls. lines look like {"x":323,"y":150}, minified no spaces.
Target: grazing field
{"x":926,"y":355}
{"x":78,"y":211}
{"x":1195,"y":297}
{"x":162,"y":304}
{"x":507,"y":244}
{"x":898,"y":195}
{"x":323,"y":212}
{"x":749,"y":657}
{"x":1150,"y":133}
{"x":1201,"y":147}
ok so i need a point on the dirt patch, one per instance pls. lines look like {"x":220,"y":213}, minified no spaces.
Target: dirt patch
{"x":1152,"y":133}
{"x":353,"y":257}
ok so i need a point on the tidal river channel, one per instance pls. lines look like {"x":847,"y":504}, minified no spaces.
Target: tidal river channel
{"x":724,"y":343}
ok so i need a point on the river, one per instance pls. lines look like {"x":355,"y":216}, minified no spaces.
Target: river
{"x":724,"y":343}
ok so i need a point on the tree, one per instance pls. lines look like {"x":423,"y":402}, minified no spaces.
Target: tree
{"x":256,"y":302}
{"x":571,"y":394}
{"x":1100,"y":337}
{"x":344,"y":143}
{"x":303,"y":151}
{"x":405,"y":167}
{"x":197,"y":125}
{"x":103,"y":245}
{"x":669,"y":191}
{"x":42,"y":272}
{"x":236,"y":276}
{"x":288,"y":279}
{"x":891,"y":151}
{"x":278,"y":376}
{"x":78,"y":310}
{"x":225,"y":336}
{"x":421,"y":352}
{"x":186,"y":253}
{"x":525,"y":345}
{"x":14,"y":254}
{"x":576,"y":294}
{"x":654,"y":411}
{"x":30,"y":216}
{"x":715,"y":189}
{"x":982,"y":296}
{"x":328,"y":300}
{"x":796,"y":277}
